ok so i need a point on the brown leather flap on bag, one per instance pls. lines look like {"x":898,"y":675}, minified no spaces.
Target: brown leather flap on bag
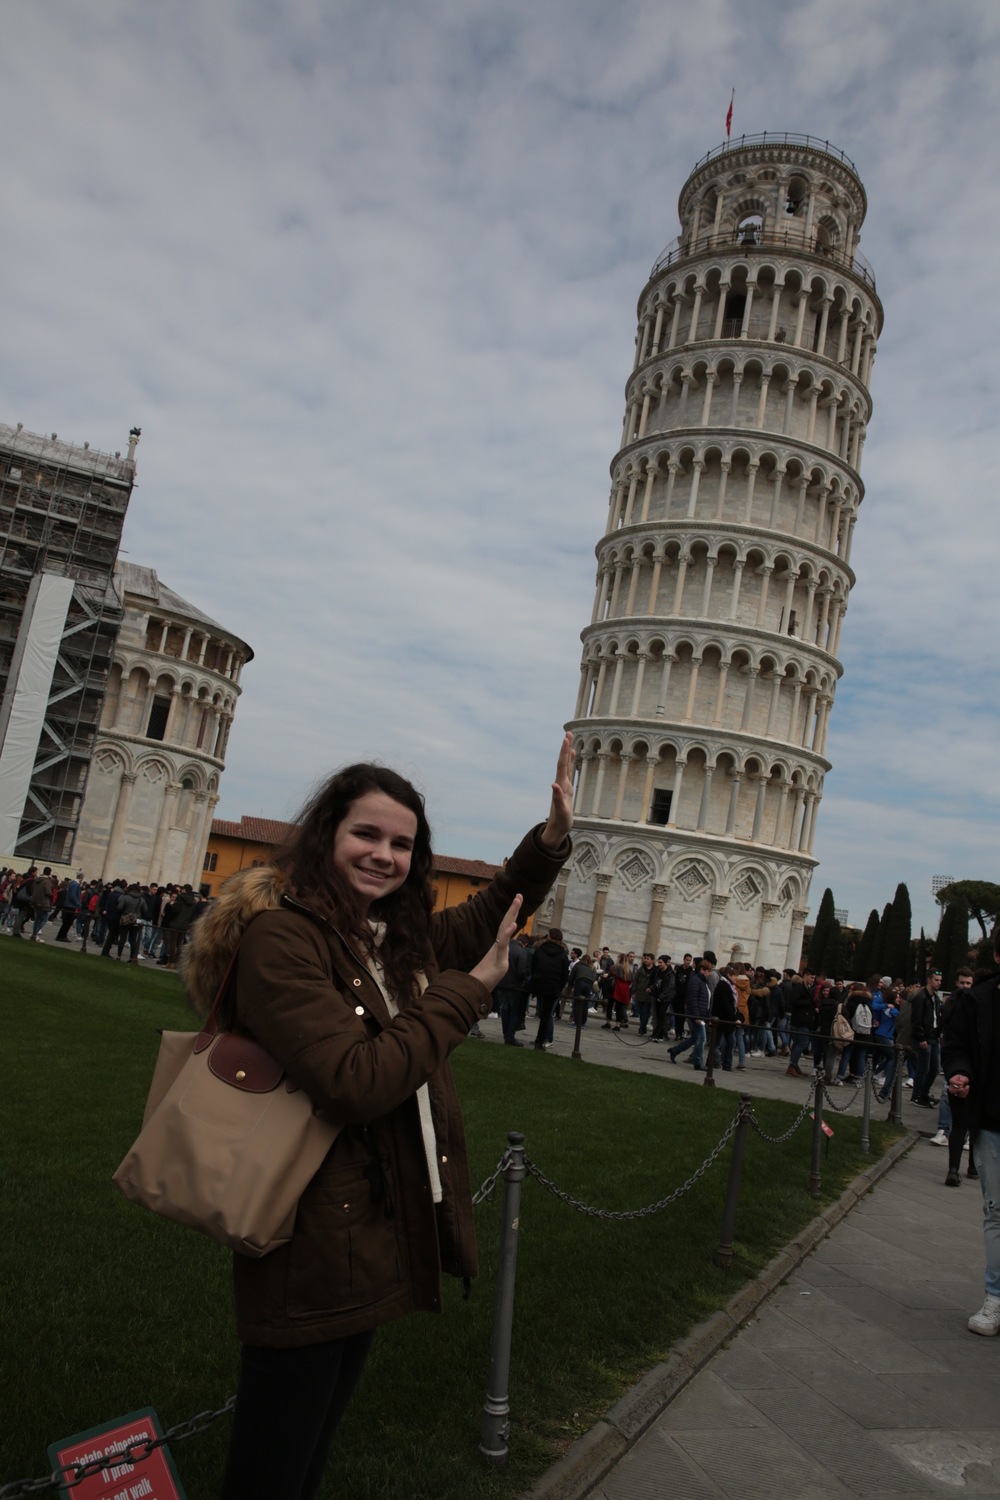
{"x":243,"y":1063}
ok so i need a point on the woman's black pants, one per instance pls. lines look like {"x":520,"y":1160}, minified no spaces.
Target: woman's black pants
{"x":288,"y":1406}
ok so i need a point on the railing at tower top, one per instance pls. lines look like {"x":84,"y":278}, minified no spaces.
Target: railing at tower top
{"x":780,"y":138}
{"x":749,"y":242}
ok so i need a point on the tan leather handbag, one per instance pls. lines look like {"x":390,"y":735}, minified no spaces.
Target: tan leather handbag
{"x":228,"y":1144}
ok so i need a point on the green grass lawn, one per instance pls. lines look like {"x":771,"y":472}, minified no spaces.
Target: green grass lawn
{"x":106,"y":1309}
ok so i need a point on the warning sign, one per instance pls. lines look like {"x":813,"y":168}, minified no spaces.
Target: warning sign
{"x":116,"y":1462}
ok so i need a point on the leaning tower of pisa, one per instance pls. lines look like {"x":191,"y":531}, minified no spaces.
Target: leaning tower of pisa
{"x":710,"y":662}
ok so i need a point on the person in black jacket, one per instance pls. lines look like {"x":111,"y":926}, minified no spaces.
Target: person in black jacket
{"x":923,"y":1039}
{"x":970,"y":1061}
{"x":549,"y":973}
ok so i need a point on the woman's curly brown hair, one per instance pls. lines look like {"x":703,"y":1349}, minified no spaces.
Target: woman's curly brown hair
{"x":306,"y":858}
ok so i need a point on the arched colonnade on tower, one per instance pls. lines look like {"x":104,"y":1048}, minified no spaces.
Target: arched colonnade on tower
{"x":738,"y":481}
{"x":695,"y":783}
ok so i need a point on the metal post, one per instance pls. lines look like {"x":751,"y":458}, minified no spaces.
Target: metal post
{"x":709,"y":1080}
{"x":724,"y":1254}
{"x":581,"y":1007}
{"x":896,"y":1098}
{"x":815,"y":1181}
{"x":496,"y":1410}
{"x":866,"y":1105}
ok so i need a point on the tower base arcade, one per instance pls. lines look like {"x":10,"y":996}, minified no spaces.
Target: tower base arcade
{"x":660,"y":890}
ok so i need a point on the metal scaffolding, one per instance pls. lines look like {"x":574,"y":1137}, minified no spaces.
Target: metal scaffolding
{"x":62,"y":509}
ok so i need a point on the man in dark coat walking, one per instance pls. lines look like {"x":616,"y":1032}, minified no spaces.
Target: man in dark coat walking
{"x":549,"y":973}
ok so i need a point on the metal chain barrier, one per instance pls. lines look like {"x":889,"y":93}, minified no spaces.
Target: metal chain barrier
{"x":73,"y":1474}
{"x":841,"y":1109}
{"x":487,"y":1191}
{"x":618,"y":1036}
{"x":777,"y":1140}
{"x":635,"y":1213}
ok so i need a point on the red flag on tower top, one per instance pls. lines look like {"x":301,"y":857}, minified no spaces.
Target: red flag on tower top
{"x":729,"y":115}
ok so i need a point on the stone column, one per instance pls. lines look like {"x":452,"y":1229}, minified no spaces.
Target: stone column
{"x":706,"y":797}
{"x":752,"y":674}
{"x":734,"y":604}
{"x":725,"y":469}
{"x":692,"y":688}
{"x":655,"y":922}
{"x":675,"y":799}
{"x":713,"y":939}
{"x":793,"y":955}
{"x":190,"y":869}
{"x":626,"y":761}
{"x":560,"y":901}
{"x":766,"y":572}
{"x":163,"y":827}
{"x":583,"y":759}
{"x":108,"y":871}
{"x":758,"y":812}
{"x":654,"y":583}
{"x":693,"y":329}
{"x":706,"y":593}
{"x":597,"y":920}
{"x":683,"y":562}
{"x":633,"y":586}
{"x":602,"y":760}
{"x":734,"y":798}
{"x":652,"y":761}
{"x":651,"y":473}
{"x":698,"y":468}
{"x":616,"y":684}
{"x":772,"y":710}
{"x":768,"y":911}
{"x":661,"y":703}
{"x":637,"y":691}
{"x":720,"y":697}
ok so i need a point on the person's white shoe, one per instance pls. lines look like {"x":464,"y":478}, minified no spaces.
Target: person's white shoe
{"x":987,"y":1320}
{"x":940,"y":1139}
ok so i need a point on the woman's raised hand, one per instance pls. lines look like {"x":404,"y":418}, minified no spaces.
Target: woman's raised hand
{"x":494,"y":964}
{"x":560,"y":819}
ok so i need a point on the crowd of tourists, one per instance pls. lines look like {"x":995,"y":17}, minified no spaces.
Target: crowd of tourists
{"x":802,"y":1019}
{"x":150,"y":921}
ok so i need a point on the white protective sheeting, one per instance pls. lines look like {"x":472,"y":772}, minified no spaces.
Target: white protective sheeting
{"x":26,"y":700}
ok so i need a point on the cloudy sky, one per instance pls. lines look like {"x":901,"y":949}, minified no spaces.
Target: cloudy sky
{"x":365,"y":274}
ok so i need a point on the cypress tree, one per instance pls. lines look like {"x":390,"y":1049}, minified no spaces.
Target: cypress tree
{"x":896,"y":954}
{"x":865,"y":960}
{"x":882,"y":941}
{"x":825,"y":943}
{"x":920,"y":974}
{"x":951,"y":947}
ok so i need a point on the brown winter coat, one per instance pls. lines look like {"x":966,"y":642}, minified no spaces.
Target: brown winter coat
{"x":369,"y":1242}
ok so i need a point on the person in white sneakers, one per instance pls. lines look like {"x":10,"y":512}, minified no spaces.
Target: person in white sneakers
{"x":971,"y":1063}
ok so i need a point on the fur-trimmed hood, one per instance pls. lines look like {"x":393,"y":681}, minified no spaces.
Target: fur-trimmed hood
{"x":216,"y":936}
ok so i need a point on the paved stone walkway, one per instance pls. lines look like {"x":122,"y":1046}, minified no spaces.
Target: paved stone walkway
{"x":857,"y":1379}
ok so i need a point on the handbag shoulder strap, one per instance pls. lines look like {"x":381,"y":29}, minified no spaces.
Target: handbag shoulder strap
{"x":211,"y":1025}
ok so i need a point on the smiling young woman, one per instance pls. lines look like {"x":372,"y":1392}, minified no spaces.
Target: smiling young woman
{"x":361,"y":991}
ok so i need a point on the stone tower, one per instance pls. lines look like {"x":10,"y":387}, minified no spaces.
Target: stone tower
{"x":710,"y":663}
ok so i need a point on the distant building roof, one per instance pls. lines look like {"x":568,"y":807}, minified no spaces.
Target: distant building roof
{"x":478,"y":869}
{"x":270,"y":831}
{"x":253,"y":830}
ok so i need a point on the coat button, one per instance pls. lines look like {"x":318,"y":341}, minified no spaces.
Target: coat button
{"x":444,"y":1161}
{"x":359,"y":1010}
{"x":357,"y":984}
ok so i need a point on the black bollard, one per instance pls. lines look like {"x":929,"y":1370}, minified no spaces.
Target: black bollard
{"x":866,"y":1106}
{"x":815,"y":1180}
{"x":709,"y":1080}
{"x":724,"y":1254}
{"x":496,"y":1409}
